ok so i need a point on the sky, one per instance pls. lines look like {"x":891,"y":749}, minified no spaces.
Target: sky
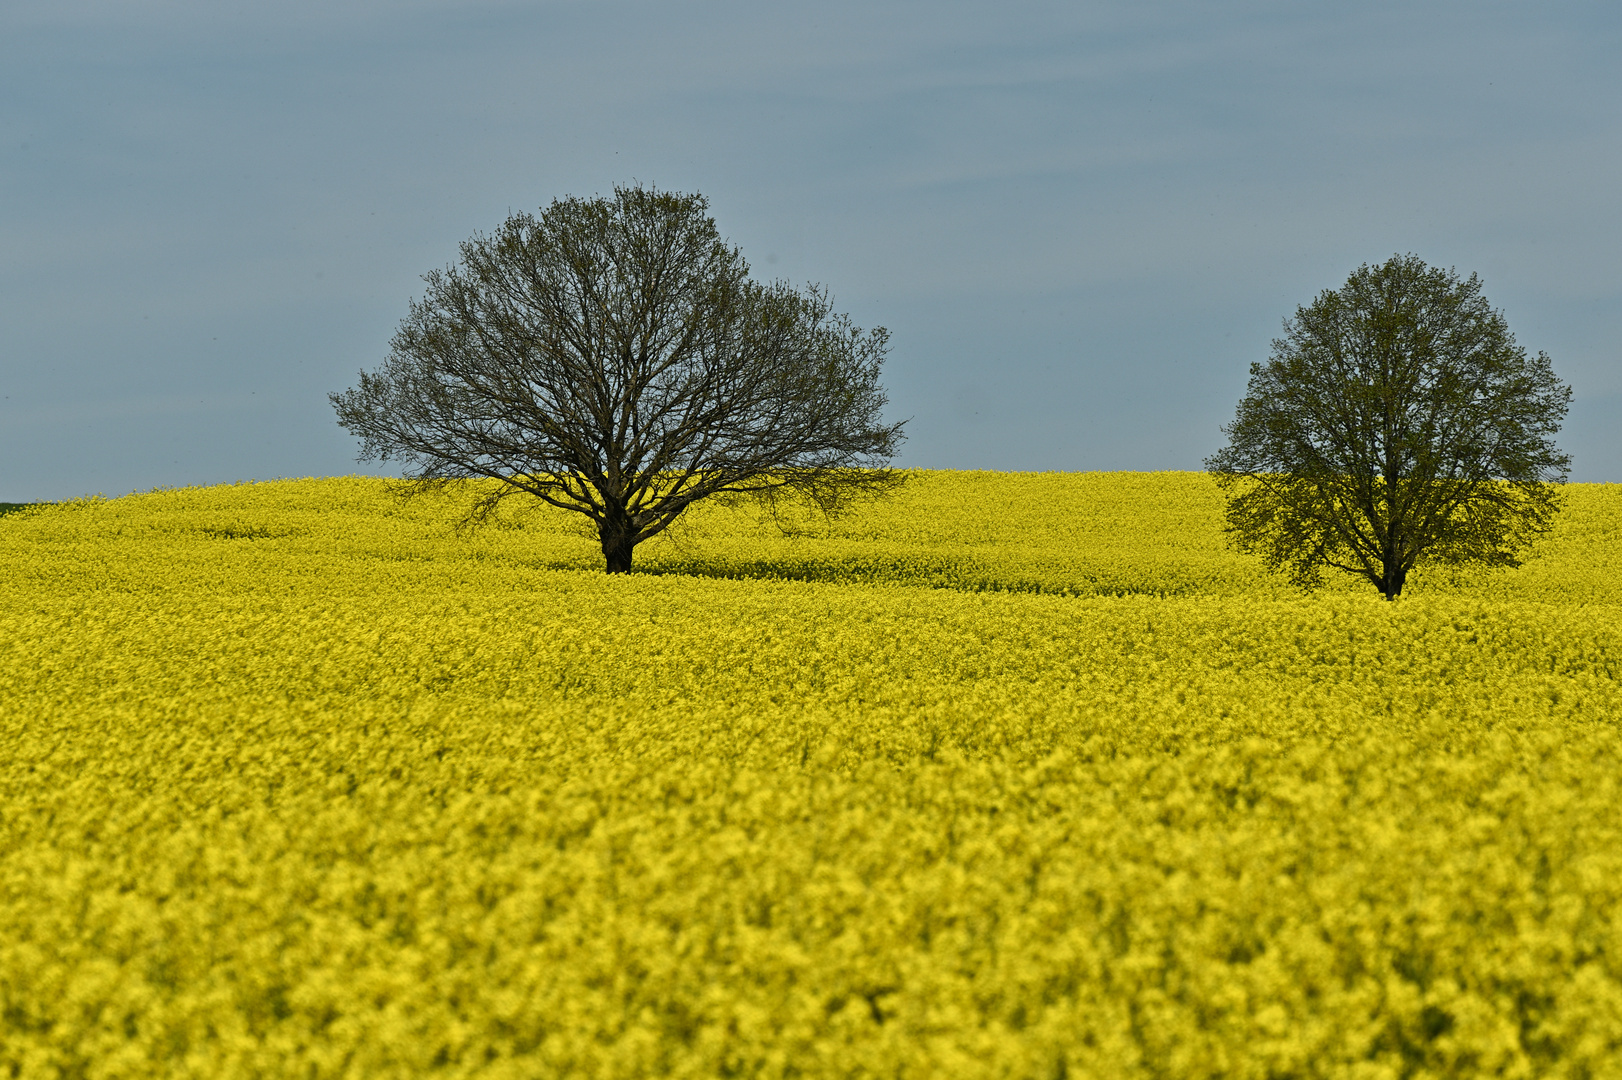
{"x":1081,"y":222}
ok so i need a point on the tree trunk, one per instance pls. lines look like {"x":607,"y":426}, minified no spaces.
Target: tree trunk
{"x":617,"y":547}
{"x":1391,"y":583}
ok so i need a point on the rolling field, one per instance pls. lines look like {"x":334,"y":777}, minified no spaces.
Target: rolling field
{"x":1013,"y":776}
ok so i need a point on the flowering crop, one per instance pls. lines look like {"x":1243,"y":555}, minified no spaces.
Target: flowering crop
{"x":1011,"y":776}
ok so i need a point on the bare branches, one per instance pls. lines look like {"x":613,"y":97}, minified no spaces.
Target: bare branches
{"x":1396,"y":423}
{"x":614,"y":358}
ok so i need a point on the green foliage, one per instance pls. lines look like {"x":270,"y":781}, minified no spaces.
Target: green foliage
{"x":1396,"y":423}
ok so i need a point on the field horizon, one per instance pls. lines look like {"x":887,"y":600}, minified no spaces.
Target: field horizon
{"x":1071,"y":533}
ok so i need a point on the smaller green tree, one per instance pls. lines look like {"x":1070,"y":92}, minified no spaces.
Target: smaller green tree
{"x":1396,"y":423}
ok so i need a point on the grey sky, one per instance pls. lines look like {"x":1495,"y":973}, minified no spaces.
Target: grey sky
{"x":1081,"y":222}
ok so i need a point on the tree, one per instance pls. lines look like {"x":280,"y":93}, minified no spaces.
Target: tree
{"x":613,"y":357}
{"x":1396,"y":423}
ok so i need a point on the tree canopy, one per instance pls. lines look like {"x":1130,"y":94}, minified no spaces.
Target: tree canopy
{"x":613,"y":357}
{"x":1396,"y":423}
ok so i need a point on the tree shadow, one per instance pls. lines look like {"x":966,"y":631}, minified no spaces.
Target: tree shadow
{"x":910,"y":570}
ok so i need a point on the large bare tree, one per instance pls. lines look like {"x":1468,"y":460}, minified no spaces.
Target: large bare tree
{"x":614,"y":357}
{"x":1397,"y":422}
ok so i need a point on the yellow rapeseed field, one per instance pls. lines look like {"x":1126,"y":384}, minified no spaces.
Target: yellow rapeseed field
{"x":1013,"y":776}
